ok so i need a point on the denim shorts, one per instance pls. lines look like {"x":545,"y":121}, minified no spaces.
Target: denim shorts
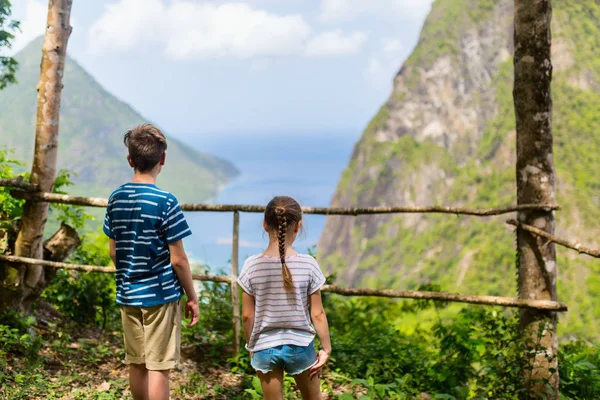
{"x":293,"y":359}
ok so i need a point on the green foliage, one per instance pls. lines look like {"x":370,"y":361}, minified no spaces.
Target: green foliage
{"x":16,"y":336}
{"x":579,"y":365}
{"x":75,"y":216}
{"x":8,"y":28}
{"x":440,"y":35}
{"x":10,"y":208}
{"x":212,"y":336}
{"x":86,"y":298}
{"x":476,"y":353}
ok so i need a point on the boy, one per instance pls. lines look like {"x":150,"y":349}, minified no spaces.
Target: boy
{"x":146,"y":227}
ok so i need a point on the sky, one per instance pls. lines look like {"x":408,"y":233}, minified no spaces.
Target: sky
{"x":199,"y":67}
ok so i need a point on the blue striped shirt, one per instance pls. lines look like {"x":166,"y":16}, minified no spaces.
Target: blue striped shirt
{"x":280,"y":317}
{"x":143,"y":220}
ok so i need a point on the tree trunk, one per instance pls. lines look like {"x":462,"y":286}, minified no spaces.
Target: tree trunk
{"x":24,"y":281}
{"x":535,"y":184}
{"x":56,"y":248}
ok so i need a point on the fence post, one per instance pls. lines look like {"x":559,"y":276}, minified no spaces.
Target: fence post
{"x":535,"y":184}
{"x":235,"y":292}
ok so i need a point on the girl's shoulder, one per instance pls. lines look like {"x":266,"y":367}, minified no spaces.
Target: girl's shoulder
{"x":306,"y":258}
{"x":251,"y":261}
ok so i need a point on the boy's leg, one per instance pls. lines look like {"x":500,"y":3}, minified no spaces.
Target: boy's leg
{"x":309,"y":388}
{"x":133,"y":335}
{"x":138,"y":381}
{"x":272,"y":384}
{"x":158,"y":385}
{"x":162,"y":329}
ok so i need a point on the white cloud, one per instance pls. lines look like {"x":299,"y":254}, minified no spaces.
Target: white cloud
{"x":243,"y":243}
{"x":335,"y":43}
{"x":344,"y":10}
{"x":186,"y":29}
{"x":392,"y":45}
{"x":127,"y":25}
{"x":383,"y":66}
{"x":33,"y":24}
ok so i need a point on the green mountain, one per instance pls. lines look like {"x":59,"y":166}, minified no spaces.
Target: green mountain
{"x":446,"y":136}
{"x":92,"y":125}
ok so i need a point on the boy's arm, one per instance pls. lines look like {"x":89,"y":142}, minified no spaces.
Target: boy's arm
{"x":181,"y":266}
{"x":248,"y":307}
{"x":112,"y":251}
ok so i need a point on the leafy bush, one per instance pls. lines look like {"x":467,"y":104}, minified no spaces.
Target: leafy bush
{"x":579,"y":364}
{"x":17,"y":336}
{"x":213,"y":335}
{"x":86,"y":298}
{"x":10,"y":208}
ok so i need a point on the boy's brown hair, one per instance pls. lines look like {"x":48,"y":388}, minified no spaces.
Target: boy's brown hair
{"x":146,"y":144}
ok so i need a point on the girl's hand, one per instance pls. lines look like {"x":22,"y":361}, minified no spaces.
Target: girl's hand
{"x":322,"y":358}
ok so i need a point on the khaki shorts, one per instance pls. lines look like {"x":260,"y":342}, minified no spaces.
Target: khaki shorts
{"x":152,"y":335}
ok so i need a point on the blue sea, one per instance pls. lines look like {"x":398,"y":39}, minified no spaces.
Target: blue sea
{"x":306,"y":167}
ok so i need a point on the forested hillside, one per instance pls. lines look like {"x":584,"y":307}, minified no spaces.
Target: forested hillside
{"x":446,"y":136}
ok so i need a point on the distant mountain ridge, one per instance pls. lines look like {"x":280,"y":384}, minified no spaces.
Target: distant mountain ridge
{"x":446,"y":136}
{"x":92,"y":125}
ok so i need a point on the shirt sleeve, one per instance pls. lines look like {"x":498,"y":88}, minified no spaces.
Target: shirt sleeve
{"x":174,"y":225}
{"x":244,"y":281}
{"x":108,"y":228}
{"x":317,"y":279}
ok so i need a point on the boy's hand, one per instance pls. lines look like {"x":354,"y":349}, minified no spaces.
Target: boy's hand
{"x":191,"y":310}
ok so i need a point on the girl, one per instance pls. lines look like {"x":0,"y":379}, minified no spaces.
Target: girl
{"x":280,"y":287}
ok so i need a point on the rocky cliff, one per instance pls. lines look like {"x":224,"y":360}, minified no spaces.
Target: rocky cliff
{"x":446,"y":136}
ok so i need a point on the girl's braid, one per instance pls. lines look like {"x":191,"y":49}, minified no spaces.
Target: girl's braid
{"x":282,"y":227}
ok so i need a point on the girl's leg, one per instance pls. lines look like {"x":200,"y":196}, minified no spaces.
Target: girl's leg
{"x":310,"y":388}
{"x":272,"y":384}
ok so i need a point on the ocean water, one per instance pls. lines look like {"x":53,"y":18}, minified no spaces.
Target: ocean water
{"x":306,"y":167}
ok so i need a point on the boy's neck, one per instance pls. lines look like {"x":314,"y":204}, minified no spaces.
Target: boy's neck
{"x":145,"y":177}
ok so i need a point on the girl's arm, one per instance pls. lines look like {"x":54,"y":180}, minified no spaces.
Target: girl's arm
{"x":247,"y":314}
{"x":317,"y":313}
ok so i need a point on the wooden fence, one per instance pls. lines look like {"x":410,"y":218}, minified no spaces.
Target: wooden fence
{"x":28,"y":191}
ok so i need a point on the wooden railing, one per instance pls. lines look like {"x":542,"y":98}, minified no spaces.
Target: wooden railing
{"x":27,"y":191}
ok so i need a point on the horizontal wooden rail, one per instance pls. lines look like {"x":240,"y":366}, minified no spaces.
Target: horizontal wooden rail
{"x":571,"y":244}
{"x":409,"y":294}
{"x":19,"y":182}
{"x":94,"y":268}
{"x":451,"y":297}
{"x":101,"y":202}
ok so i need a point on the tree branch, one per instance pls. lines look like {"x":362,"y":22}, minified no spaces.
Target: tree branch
{"x":563,"y":242}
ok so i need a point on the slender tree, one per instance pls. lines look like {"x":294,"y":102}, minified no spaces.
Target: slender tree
{"x":22,"y":284}
{"x":535,"y":184}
